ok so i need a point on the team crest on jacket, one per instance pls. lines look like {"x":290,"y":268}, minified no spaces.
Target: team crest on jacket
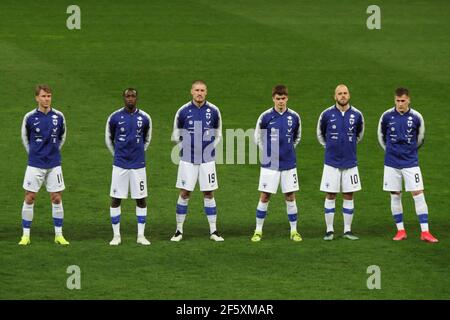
{"x":139,"y":122}
{"x":352,"y":119}
{"x":55,"y":120}
{"x":410,"y":122}
{"x":289,"y":121}
{"x":208,"y":113}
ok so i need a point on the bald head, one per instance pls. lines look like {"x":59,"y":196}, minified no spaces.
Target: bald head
{"x":342,"y":95}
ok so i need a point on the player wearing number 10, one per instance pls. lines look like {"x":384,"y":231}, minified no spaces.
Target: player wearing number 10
{"x":401,"y":132}
{"x":339,"y":129}
{"x":128,"y":134}
{"x":43,"y":135}
{"x":277,"y":133}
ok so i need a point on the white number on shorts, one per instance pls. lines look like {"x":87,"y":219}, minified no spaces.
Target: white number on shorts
{"x":354,"y":179}
{"x":211,"y":178}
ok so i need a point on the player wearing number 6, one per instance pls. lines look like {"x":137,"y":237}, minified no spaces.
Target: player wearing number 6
{"x":128,"y":134}
{"x":339,"y":129}
{"x":43,"y":135}
{"x":197,"y":129}
{"x":277,"y":133}
{"x":401,"y":132}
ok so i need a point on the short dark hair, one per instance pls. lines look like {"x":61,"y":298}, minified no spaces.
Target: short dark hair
{"x":134,"y":91}
{"x":198,"y":82}
{"x":44,"y":87}
{"x":401,"y":91}
{"x":280,"y":89}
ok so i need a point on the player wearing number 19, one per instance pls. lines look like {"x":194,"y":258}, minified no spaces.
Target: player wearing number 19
{"x":128,"y":134}
{"x":197,"y":129}
{"x":277,"y":133}
{"x":43,"y":135}
{"x":401,"y":133}
{"x":339,"y":129}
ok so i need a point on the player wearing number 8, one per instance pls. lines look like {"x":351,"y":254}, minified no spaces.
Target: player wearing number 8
{"x":277,"y":133}
{"x":128,"y":134}
{"x":197,"y":129}
{"x":43,"y":135}
{"x":401,"y":132}
{"x":339,"y":129}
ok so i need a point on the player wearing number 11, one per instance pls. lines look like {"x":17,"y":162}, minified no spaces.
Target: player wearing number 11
{"x":43,"y":135}
{"x":128,"y":134}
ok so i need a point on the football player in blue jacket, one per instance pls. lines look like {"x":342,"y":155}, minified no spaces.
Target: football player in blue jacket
{"x":339,"y":129}
{"x":401,"y":132}
{"x":197,"y":129}
{"x":277,"y":133}
{"x":43,"y":135}
{"x":128,"y":135}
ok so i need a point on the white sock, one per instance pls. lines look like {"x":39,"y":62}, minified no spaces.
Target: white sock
{"x":182,"y":205}
{"x":291,"y":209}
{"x":421,"y":211}
{"x":347,"y":209}
{"x":27,"y":218}
{"x":211,"y":213}
{"x":58,"y":216}
{"x":330,"y":209}
{"x":141,"y":214}
{"x":115,"y":220}
{"x":261,"y":212}
{"x":397,"y":210}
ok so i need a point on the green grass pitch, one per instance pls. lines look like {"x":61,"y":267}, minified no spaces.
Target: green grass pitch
{"x":241,"y":49}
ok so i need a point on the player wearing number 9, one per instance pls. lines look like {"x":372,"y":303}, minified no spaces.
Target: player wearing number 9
{"x":128,"y":134}
{"x":197,"y":129}
{"x":43,"y":135}
{"x":401,"y":132}
{"x":339,"y":129}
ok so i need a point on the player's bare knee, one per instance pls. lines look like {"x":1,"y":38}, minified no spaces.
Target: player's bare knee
{"x":290,"y":196}
{"x":348,"y":196}
{"x":208,"y":194}
{"x":416,"y":193}
{"x":56,"y":197}
{"x":185,"y":194}
{"x":331,"y":196}
{"x":30,"y":197}
{"x":265,"y":197}
{"x":141,"y":203}
{"x":396,"y":192}
{"x":115,"y":203}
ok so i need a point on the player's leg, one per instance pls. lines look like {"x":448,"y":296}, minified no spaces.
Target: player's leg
{"x":138,"y":190}
{"x":55,"y":185}
{"x":347,"y":212}
{"x":34,"y":177}
{"x":289,"y":185}
{"x":351,"y":183}
{"x":392,"y":182}
{"x":208,"y":183}
{"x":268,"y":184}
{"x":331,"y":185}
{"x":119,"y":190}
{"x":211,"y":214}
{"x":261,"y":213}
{"x":58,"y":217}
{"x":414,"y":184}
{"x":186,"y":180}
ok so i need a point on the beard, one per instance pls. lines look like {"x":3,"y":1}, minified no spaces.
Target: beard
{"x":342,"y":104}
